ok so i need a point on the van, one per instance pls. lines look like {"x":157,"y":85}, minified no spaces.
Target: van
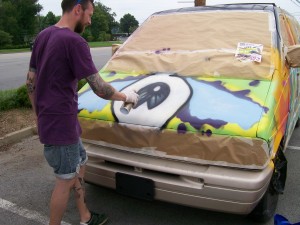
{"x":219,"y":100}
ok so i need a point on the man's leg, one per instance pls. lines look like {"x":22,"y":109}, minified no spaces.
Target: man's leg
{"x":85,"y":214}
{"x":59,"y":199}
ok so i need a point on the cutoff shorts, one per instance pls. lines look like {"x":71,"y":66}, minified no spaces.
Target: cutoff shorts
{"x":66,"y":160}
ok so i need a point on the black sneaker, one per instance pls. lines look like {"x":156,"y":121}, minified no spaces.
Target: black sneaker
{"x":96,"y":219}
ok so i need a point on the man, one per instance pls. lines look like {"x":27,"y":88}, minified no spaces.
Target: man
{"x":60,"y":58}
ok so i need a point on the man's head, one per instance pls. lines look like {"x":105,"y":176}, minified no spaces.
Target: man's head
{"x":80,"y":11}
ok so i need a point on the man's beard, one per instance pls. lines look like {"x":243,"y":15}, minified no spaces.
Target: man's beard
{"x":79,"y":28}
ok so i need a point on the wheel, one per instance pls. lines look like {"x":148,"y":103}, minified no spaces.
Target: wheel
{"x":266,"y":208}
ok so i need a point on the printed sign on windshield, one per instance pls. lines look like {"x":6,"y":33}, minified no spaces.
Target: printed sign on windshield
{"x":249,"y":52}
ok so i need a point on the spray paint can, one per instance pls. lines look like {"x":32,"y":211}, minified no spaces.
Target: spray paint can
{"x":126,"y":107}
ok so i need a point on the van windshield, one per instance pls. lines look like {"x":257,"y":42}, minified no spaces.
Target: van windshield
{"x":202,"y":44}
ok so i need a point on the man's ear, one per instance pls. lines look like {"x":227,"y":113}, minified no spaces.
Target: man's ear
{"x":77,"y":9}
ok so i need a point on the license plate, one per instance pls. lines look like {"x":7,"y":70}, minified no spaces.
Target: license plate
{"x":133,"y":186}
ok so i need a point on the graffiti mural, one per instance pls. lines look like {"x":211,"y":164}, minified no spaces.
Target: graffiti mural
{"x":168,"y":97}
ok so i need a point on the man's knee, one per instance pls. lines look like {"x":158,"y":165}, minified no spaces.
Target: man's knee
{"x":66,"y":184}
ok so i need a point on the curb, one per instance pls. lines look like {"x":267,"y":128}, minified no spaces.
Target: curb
{"x":17,"y":136}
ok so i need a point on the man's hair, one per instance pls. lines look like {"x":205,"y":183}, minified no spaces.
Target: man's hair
{"x":68,"y":5}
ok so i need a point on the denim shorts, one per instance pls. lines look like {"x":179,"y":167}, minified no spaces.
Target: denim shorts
{"x":66,"y":160}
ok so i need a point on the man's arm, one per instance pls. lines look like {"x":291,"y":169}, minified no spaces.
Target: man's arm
{"x":104,"y":90}
{"x":30,"y":83}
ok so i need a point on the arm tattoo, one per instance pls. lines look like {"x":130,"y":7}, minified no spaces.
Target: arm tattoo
{"x":100,"y":87}
{"x":30,"y":82}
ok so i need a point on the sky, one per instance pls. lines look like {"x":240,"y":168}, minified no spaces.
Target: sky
{"x":142,"y":9}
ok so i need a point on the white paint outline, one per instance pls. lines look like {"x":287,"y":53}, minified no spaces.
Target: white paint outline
{"x":26,"y":213}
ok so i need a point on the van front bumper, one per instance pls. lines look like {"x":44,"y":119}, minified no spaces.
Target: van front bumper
{"x":202,"y":186}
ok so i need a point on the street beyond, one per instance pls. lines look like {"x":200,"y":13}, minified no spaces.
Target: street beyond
{"x":14,"y":67}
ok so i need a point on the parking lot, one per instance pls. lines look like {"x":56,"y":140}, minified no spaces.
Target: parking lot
{"x":27,"y":181}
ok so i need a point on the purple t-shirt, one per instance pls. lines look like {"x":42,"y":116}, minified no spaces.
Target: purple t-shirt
{"x":61,"y":57}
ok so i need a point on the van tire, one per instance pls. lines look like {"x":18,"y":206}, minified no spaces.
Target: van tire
{"x":266,"y":207}
{"x":297,"y":123}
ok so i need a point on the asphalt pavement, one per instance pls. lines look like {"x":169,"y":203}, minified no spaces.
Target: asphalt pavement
{"x":27,"y":180}
{"x":14,"y":67}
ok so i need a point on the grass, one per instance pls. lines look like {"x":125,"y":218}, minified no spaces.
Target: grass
{"x":8,"y":99}
{"x":5,"y":51}
{"x":14,"y":98}
{"x":103,"y":43}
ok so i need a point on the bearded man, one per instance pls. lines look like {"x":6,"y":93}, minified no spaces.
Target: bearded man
{"x":60,"y":57}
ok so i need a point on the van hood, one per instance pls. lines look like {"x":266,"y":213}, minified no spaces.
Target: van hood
{"x":183,"y":104}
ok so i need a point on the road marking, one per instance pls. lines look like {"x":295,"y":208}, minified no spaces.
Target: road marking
{"x":29,"y":214}
{"x":294,"y":148}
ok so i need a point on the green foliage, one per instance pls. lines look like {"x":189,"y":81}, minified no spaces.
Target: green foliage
{"x":22,"y":97}
{"x":5,"y":38}
{"x":48,"y":20}
{"x":109,"y":16}
{"x":8,"y":99}
{"x":104,"y":36}
{"x":99,"y":25}
{"x":87,"y":35}
{"x":15,"y":98}
{"x":132,"y":29}
{"x":97,"y":44}
{"x":103,"y":22}
{"x":128,"y":23}
{"x":18,"y":18}
{"x":10,"y":46}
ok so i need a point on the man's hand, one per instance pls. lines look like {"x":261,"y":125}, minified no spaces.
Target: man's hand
{"x":131,"y":97}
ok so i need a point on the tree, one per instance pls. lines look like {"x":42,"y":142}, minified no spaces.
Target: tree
{"x":49,"y":20}
{"x":103,"y":22}
{"x":57,"y":18}
{"x":99,"y":23}
{"x":127,"y":23}
{"x":110,"y":16}
{"x":132,"y":29}
{"x":116,"y":28}
{"x":26,"y":17}
{"x":8,"y":21}
{"x":18,"y":18}
{"x":5,"y":38}
{"x":87,"y":35}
